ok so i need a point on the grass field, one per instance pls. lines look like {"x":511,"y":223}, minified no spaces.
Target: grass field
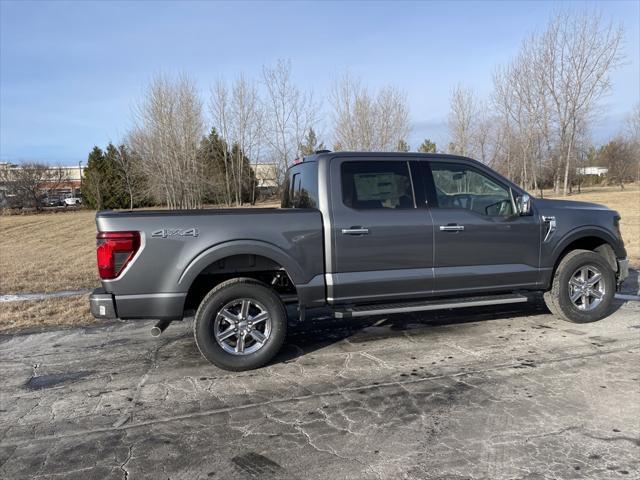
{"x":48,"y":252}
{"x":51,"y":252}
{"x":41,"y":313}
{"x":626,"y":202}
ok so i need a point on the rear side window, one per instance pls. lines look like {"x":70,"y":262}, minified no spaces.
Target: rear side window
{"x":301,"y":188}
{"x":377,"y":185}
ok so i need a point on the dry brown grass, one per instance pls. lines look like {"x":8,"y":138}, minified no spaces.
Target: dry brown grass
{"x":47,"y":252}
{"x":626,"y":202}
{"x":49,"y":312}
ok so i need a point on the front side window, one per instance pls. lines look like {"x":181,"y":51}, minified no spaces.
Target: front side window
{"x":461,"y":186}
{"x":376,"y":185}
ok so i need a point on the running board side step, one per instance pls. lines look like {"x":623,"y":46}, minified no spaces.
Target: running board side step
{"x":442,"y":304}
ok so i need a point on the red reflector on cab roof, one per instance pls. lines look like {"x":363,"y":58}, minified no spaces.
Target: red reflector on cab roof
{"x":115,"y":250}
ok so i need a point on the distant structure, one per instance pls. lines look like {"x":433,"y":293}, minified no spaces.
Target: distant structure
{"x":597,"y":171}
{"x":267,"y":178}
{"x":67,"y":183}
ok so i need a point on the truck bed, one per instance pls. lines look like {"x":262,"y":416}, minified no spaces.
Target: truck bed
{"x":178,"y":245}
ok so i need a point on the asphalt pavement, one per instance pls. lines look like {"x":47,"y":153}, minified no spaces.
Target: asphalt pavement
{"x":504,"y":392}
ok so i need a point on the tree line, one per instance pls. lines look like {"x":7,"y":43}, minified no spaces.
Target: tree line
{"x":183,"y":151}
{"x":535,"y":127}
{"x":166,"y":158}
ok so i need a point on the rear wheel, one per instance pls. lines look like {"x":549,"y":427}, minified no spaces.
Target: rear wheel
{"x":240,"y":325}
{"x":583,"y":288}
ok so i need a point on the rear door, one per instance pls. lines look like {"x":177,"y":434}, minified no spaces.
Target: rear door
{"x":382,"y":245}
{"x":481,"y":243}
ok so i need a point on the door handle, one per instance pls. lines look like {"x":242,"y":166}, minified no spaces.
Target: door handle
{"x":451,"y":228}
{"x":355,"y":231}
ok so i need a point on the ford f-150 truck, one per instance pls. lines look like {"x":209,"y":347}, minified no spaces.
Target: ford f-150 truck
{"x":363,"y":234}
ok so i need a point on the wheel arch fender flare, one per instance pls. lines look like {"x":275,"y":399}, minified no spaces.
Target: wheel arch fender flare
{"x":584,"y":232}
{"x":241,"y":247}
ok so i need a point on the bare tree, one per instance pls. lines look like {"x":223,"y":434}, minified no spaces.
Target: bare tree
{"x":237,"y":114}
{"x":168,"y":128}
{"x":618,"y":157}
{"x":31,"y":181}
{"x":463,"y":117}
{"x":542,"y":104}
{"x":130,"y":173}
{"x":288,"y":115}
{"x":248,"y":128}
{"x":368,"y":122}
{"x":220,"y":108}
{"x":632,"y":134}
{"x":575,"y":56}
{"x":632,"y":125}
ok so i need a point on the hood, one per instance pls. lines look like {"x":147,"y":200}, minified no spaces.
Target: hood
{"x":568,"y":204}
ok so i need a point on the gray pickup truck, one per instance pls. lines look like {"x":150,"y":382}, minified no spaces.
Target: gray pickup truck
{"x":363,"y":234}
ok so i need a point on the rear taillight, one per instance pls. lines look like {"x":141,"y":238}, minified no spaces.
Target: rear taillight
{"x":115,"y":251}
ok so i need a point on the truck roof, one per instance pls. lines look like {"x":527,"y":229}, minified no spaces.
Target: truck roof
{"x":406,"y":155}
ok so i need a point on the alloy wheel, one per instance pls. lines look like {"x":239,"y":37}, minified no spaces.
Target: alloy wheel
{"x":242,"y":326}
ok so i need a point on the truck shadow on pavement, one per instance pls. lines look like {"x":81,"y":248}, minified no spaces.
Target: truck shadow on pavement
{"x":321,"y":330}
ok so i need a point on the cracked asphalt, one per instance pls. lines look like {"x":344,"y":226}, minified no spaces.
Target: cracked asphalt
{"x":487,"y":393}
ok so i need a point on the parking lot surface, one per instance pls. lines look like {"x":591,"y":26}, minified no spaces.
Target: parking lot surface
{"x":493,"y":393}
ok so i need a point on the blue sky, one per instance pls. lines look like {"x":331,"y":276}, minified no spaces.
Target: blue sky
{"x":70,"y":71}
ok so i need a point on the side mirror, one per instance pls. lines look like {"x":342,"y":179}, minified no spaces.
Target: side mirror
{"x":523,"y":204}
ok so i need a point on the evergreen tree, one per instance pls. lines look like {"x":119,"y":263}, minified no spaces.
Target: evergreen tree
{"x":214,"y":157}
{"x":228,"y":172}
{"x":427,"y":146}
{"x":402,"y":146}
{"x":310,"y":144}
{"x":104,"y":183}
{"x":114,"y":195}
{"x":93,"y":189}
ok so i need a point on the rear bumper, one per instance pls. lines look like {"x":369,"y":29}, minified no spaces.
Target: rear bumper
{"x":623,"y":269}
{"x":102,"y":305}
{"x":158,"y":306}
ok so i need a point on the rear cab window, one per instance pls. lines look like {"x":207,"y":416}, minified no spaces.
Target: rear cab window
{"x":301,"y":186}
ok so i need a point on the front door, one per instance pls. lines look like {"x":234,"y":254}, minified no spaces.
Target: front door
{"x":382,"y":245}
{"x":481,"y":243}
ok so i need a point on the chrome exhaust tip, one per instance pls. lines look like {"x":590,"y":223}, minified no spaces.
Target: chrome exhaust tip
{"x":159,"y":327}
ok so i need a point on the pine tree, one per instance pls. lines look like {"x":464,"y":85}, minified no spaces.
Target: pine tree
{"x":427,"y":146}
{"x":114,"y":193}
{"x":402,"y":146}
{"x":104,"y":183}
{"x":223,"y":167}
{"x":214,"y":157}
{"x":93,"y":189}
{"x":310,"y":144}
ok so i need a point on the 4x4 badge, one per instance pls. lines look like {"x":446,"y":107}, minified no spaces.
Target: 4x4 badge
{"x":172,"y":232}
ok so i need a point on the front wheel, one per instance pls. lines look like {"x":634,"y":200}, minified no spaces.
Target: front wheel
{"x":583,"y":288}
{"x":240,"y":324}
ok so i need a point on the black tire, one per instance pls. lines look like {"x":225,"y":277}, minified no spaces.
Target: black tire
{"x":558,"y":298}
{"x":210,"y":308}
